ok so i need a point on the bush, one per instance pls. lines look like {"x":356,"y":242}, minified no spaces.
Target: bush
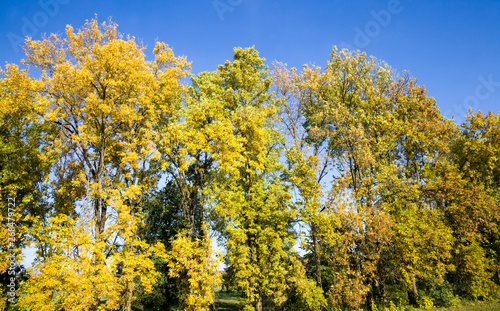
{"x":425,"y":302}
{"x":442,"y":295}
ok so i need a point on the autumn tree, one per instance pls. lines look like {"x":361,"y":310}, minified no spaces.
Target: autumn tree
{"x":106,"y":101}
{"x":370,"y":127}
{"x":24,"y":167}
{"x":308,"y":158}
{"x":121,"y":173}
{"x":420,"y":232}
{"x":164,"y":218}
{"x":251,"y":189}
{"x":471,"y":202}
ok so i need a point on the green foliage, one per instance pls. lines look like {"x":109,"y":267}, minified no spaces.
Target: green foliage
{"x":163,"y":219}
{"x":442,"y":295}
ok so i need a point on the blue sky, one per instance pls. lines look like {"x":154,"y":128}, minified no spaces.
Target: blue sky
{"x":451,"y":47}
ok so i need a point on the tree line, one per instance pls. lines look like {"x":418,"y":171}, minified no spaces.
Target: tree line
{"x":335,"y":187}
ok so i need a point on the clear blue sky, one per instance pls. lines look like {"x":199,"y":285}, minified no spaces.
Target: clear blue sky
{"x":452,"y":47}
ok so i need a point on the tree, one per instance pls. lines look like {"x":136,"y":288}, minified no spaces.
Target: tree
{"x":337,"y":105}
{"x":389,"y":191}
{"x":472,"y":205}
{"x":24,"y":167}
{"x":371,"y":128}
{"x":422,"y":144}
{"x":106,"y":101}
{"x":164,"y":218}
{"x":308,"y":158}
{"x":251,"y":192}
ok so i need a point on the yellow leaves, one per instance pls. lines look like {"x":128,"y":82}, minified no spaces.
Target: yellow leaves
{"x":165,"y":59}
{"x":45,"y":54}
{"x":310,"y":294}
{"x":106,"y":102}
{"x":133,"y":192}
{"x":366,"y":123}
{"x":78,"y":270}
{"x":200,"y":263}
{"x":168,"y":70}
{"x":17,"y":95}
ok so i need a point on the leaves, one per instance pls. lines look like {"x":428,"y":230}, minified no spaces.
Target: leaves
{"x":351,"y":166}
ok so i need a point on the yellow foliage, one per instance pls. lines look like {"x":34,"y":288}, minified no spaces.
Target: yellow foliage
{"x":105,"y":101}
{"x":199,"y":263}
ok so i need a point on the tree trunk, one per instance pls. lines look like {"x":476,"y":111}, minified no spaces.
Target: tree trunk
{"x":369,"y":299}
{"x":413,"y":295}
{"x":383,"y":293}
{"x":100,"y":215}
{"x":317,"y":256}
{"x":130,"y":295}
{"x":258,"y":304}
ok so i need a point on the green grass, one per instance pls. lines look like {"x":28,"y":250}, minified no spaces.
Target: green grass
{"x":478,"y":306}
{"x":226,"y":301}
{"x":467,"y":306}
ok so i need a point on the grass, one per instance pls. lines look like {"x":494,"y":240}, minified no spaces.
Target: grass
{"x":464,"y":306}
{"x":477,"y":306}
{"x":226,"y":301}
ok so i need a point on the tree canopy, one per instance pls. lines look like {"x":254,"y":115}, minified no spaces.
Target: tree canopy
{"x":335,"y":187}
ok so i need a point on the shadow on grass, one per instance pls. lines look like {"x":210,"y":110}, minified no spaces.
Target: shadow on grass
{"x":226,"y":301}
